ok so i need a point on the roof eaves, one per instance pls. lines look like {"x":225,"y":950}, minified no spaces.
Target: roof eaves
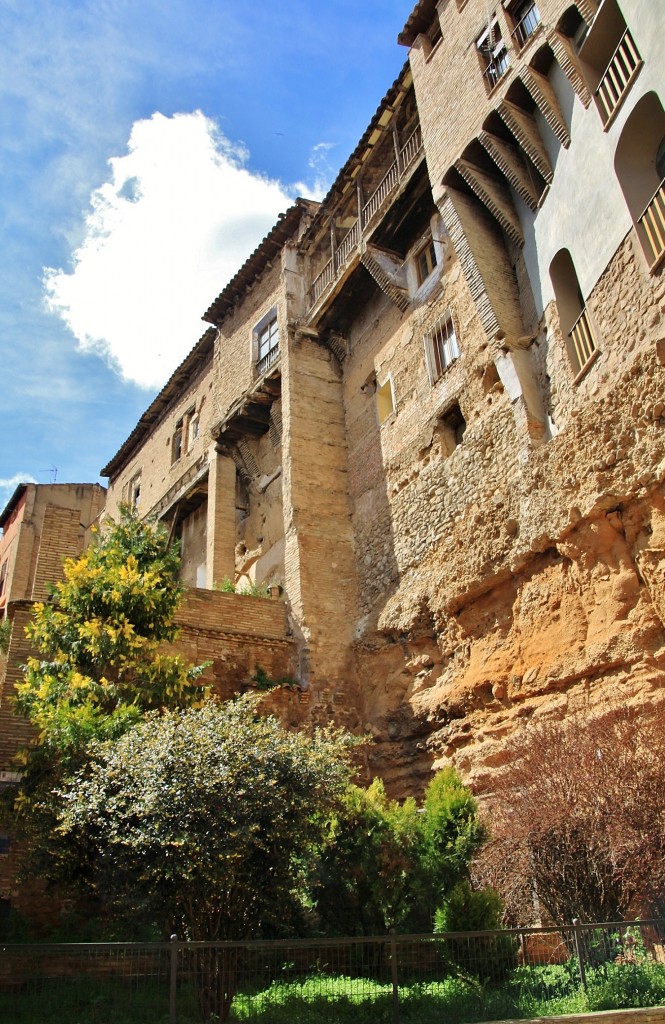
{"x":203,"y":348}
{"x":344,"y":175}
{"x":12,"y":503}
{"x":419,"y":21}
{"x":255,"y":265}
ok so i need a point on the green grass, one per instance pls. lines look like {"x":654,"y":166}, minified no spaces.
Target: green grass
{"x":321,"y":998}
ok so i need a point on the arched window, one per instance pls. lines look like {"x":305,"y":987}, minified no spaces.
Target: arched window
{"x":573,"y":316}
{"x":610,"y":60}
{"x":572,"y":24}
{"x":639,"y":163}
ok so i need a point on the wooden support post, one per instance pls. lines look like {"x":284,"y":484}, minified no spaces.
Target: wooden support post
{"x":398,"y":152}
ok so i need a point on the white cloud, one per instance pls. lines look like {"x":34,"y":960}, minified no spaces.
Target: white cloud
{"x":9,"y":484}
{"x":177,"y":219}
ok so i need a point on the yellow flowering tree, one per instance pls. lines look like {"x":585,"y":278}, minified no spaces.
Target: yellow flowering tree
{"x":100,"y":666}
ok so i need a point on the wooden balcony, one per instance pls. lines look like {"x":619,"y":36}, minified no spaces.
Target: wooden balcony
{"x":268,"y":360}
{"x":617,"y":77}
{"x":651,"y":228}
{"x":370,"y":212}
{"x":583,"y":341}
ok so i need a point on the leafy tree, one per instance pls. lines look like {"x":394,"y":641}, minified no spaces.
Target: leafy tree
{"x":101,"y":668}
{"x":5,"y":634}
{"x":578,"y":820}
{"x":387,"y":864}
{"x":202,"y":818}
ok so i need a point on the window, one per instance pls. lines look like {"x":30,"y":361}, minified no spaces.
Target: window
{"x":134,"y":493}
{"x":576,"y":325}
{"x":385,"y":400}
{"x":611,"y":60}
{"x":3,"y":576}
{"x":266,"y":342}
{"x":441,"y":348}
{"x":176,"y":444}
{"x":526,"y":18}
{"x":450,"y":430}
{"x":193,"y":429}
{"x":425,"y":260}
{"x":493,"y":54}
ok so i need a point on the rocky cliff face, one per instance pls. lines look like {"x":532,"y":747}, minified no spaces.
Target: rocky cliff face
{"x":547,"y":598}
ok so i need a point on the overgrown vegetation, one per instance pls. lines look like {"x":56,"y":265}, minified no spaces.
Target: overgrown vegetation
{"x":203,"y":819}
{"x":578,"y":820}
{"x":246,"y":589}
{"x":101,"y":668}
{"x":262,"y":681}
{"x":311,"y":997}
{"x":5,"y":634}
{"x":386,"y":864}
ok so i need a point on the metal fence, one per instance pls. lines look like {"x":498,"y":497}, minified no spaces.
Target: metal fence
{"x":396,"y":979}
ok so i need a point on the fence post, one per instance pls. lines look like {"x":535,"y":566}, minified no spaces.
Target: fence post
{"x":393,"y":973}
{"x":173,"y":979}
{"x":577,"y":932}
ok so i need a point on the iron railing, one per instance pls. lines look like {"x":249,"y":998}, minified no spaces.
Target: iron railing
{"x":461,"y":976}
{"x":496,"y":68}
{"x":526,"y":26}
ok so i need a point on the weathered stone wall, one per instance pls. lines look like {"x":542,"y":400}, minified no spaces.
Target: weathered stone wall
{"x":238,"y":634}
{"x":259,"y":553}
{"x":539,"y":589}
{"x":320,"y":580}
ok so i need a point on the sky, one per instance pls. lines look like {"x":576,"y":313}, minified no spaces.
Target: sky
{"x":145,"y":150}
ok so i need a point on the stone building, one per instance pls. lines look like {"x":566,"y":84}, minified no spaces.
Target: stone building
{"x":42,"y":524}
{"x":430,"y":409}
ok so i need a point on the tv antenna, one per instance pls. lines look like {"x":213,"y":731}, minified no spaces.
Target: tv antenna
{"x":53,"y":470}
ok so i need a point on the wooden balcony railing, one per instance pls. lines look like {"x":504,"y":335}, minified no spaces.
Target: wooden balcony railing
{"x":323,"y":279}
{"x":346,"y":248}
{"x":348,"y":244}
{"x":268,"y":360}
{"x":652,"y":223}
{"x":581,"y":336}
{"x":386,"y":186}
{"x":617,"y":77}
{"x":526,"y":26}
{"x":411,"y":147}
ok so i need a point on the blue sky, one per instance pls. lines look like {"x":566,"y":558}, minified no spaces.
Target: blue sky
{"x":145,"y":149}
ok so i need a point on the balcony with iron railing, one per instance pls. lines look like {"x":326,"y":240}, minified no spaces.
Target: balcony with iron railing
{"x":583,"y":342}
{"x":526,"y":27}
{"x":651,"y":228}
{"x":369,"y":214}
{"x":496,"y":69}
{"x":617,"y":78}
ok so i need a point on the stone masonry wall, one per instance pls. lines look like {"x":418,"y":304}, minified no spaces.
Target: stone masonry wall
{"x":526,"y":578}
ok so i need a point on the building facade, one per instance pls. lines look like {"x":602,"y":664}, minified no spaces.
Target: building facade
{"x":42,"y":524}
{"x":430,"y":409}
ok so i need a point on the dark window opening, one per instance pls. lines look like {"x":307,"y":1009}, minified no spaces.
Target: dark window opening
{"x":450,"y":430}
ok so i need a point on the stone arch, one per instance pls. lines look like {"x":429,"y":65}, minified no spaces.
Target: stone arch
{"x":639,"y":164}
{"x":573,"y":317}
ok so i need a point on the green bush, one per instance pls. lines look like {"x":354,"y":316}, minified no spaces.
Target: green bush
{"x":621,"y":986}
